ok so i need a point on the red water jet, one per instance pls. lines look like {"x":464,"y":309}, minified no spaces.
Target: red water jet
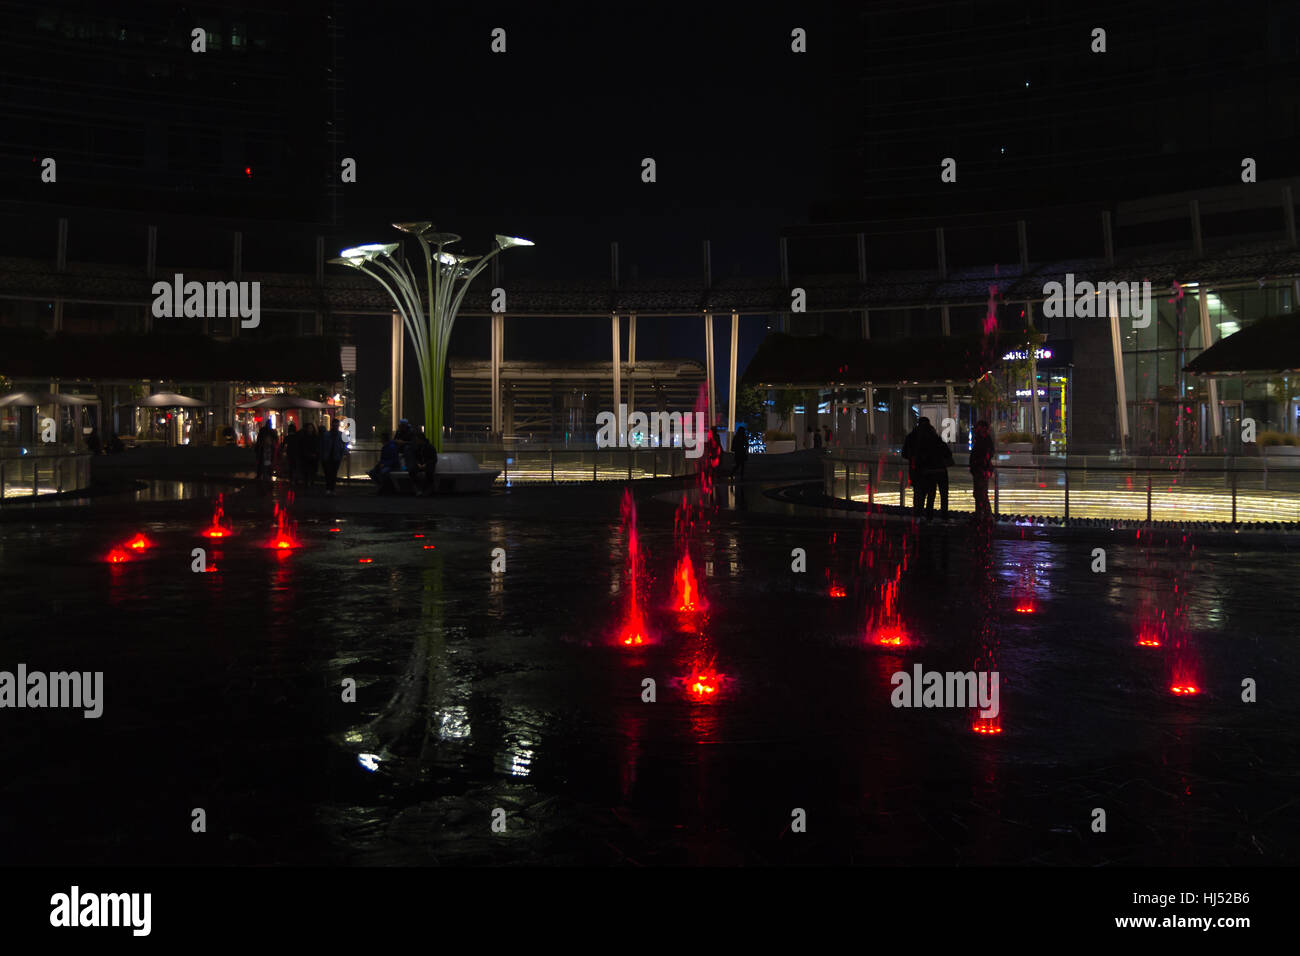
{"x":219,"y":528}
{"x":139,"y":543}
{"x":286,"y":532}
{"x":632,"y":631}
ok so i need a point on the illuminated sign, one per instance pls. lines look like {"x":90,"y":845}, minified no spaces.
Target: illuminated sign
{"x":1019,"y":355}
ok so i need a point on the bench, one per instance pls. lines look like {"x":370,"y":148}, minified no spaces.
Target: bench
{"x":457,"y":471}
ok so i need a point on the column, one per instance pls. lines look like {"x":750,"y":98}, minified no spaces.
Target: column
{"x":1212,"y":385}
{"x":395,"y":383}
{"x":731,"y":378}
{"x":497,"y":349}
{"x":631,"y":364}
{"x":1121,"y":392}
{"x":617,"y":361}
{"x":708,"y":366}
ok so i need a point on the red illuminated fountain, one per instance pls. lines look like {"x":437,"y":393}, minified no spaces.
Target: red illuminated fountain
{"x":882,"y":564}
{"x":691,"y":518}
{"x":139,"y":543}
{"x":286,"y":531}
{"x":632,"y":631}
{"x":219,"y":527}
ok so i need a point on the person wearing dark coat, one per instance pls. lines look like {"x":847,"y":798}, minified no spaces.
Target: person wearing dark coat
{"x":740,"y":450}
{"x":936,"y":457}
{"x":981,"y":467}
{"x":915,"y":477}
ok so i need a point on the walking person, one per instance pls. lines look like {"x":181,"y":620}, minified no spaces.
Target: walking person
{"x":740,"y":450}
{"x":331,"y":454}
{"x":981,"y":468}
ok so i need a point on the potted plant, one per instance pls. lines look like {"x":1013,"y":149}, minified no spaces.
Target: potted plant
{"x":778,"y":442}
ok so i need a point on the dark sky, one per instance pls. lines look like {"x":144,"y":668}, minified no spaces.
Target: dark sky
{"x":546,"y":141}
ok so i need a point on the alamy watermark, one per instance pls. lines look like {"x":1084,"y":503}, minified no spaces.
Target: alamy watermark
{"x":210,"y":300}
{"x":74,"y":689}
{"x":1086,"y":300}
{"x":639,"y":430}
{"x":924,"y":688}
{"x":74,"y":909}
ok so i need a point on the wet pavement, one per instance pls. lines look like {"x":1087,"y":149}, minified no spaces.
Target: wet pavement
{"x":478,"y":690}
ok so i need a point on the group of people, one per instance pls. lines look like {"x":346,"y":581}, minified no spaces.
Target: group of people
{"x":406,"y":451}
{"x":929,"y":457}
{"x":300,"y":453}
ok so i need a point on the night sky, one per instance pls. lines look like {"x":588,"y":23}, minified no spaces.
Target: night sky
{"x":546,"y":142}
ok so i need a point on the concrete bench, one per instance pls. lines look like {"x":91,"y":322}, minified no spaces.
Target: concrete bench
{"x":458,"y":472}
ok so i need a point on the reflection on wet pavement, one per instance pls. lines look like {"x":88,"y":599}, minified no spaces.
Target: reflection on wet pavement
{"x":477,"y":691}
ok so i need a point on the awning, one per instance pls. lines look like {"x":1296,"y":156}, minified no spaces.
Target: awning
{"x":283,"y":401}
{"x":1269,"y":345}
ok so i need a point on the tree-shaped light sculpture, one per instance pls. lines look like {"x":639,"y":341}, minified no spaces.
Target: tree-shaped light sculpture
{"x":448,"y":278}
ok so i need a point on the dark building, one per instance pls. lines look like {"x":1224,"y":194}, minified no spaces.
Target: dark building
{"x":136,"y":120}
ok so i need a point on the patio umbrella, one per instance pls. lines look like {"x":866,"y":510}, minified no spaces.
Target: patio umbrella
{"x":167,"y":400}
{"x":45,"y":398}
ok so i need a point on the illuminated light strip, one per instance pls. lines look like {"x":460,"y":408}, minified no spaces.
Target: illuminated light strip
{"x":1132,"y":505}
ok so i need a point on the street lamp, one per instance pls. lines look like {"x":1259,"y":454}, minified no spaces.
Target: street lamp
{"x":446,"y":284}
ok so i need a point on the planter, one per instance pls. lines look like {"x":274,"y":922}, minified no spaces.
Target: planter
{"x":1284,"y":456}
{"x":1018,"y":453}
{"x":780,"y":447}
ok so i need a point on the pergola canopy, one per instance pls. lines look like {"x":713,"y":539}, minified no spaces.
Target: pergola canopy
{"x":812,"y":361}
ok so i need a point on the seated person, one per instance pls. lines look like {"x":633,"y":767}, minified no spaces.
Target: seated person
{"x":389,"y":461}
{"x":423,"y":464}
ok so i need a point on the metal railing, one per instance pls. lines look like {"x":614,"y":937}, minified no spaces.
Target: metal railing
{"x":1228,"y":491}
{"x":547,"y":464}
{"x":29,"y":476}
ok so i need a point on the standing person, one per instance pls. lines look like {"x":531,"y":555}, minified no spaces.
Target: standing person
{"x":827,"y":440}
{"x":740,"y":449}
{"x":981,"y":467}
{"x":331,"y":453}
{"x":264,"y":434}
{"x":816,"y":437}
{"x":310,"y":453}
{"x":293,"y":454}
{"x":916,"y":476}
{"x":935,"y":457}
{"x":265,"y":448}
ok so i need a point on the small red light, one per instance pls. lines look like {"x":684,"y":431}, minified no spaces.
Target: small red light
{"x":986,"y":727}
{"x":1185,"y":690}
{"x":1025,"y":609}
{"x":248,"y":171}
{"x":419,"y":536}
{"x":138,"y":543}
{"x":335,"y":530}
{"x":430,"y":547}
{"x":117,"y":556}
{"x":365,"y":560}
{"x":837,"y":591}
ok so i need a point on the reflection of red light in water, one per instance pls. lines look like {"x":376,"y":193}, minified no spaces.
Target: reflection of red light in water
{"x":837,"y":591}
{"x":889,"y":635}
{"x":118,"y":556}
{"x":430,"y":547}
{"x":686,"y":593}
{"x":1026,"y":607}
{"x":704,"y":685}
{"x":139,"y":543}
{"x":1184,"y":690}
{"x":1148,"y":640}
{"x":365,"y":560}
{"x":335,"y":530}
